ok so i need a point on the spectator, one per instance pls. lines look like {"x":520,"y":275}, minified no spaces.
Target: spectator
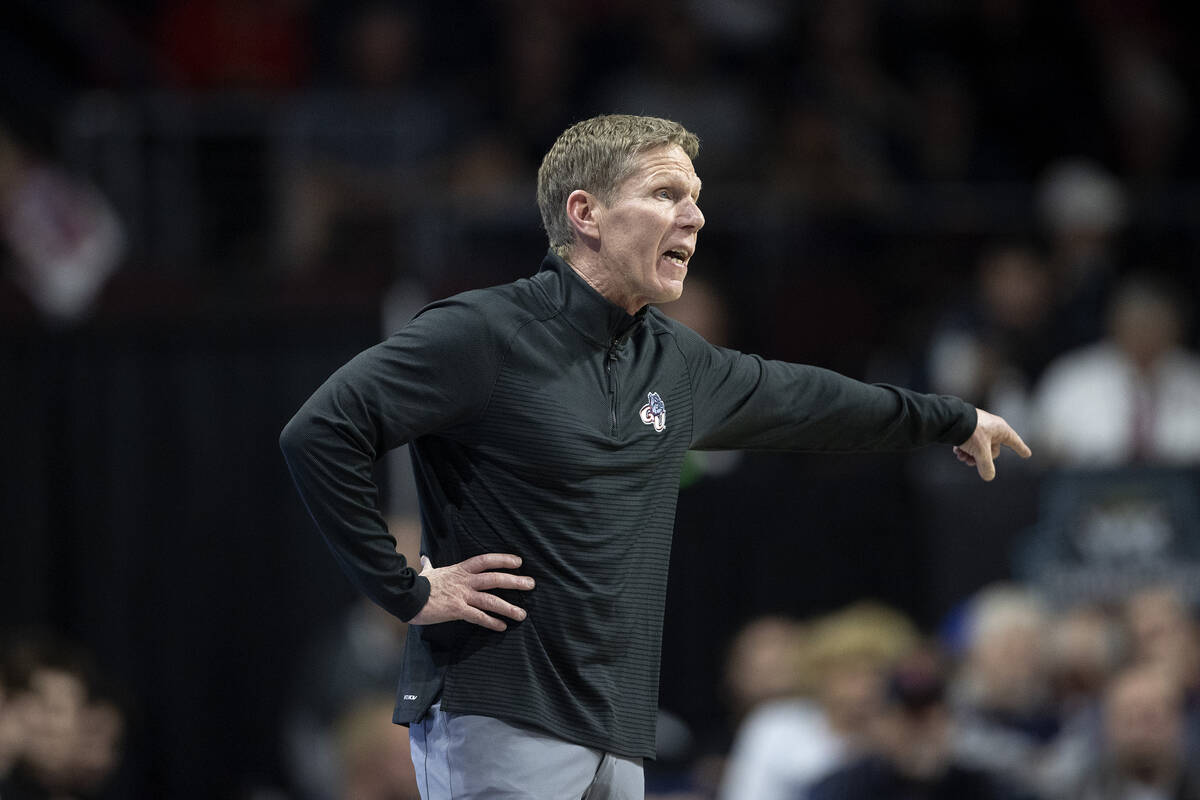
{"x":1006,"y":724}
{"x":1144,"y":756}
{"x":358,"y":161}
{"x":821,"y":168}
{"x":788,"y":744}
{"x":1085,"y":650}
{"x":65,"y":238}
{"x":992,"y":352}
{"x":1136,"y":393}
{"x":1149,"y":109}
{"x":912,"y":757}
{"x":1083,"y":209}
{"x":838,"y":132}
{"x":49,"y":691}
{"x":944,"y":144}
{"x":1161,"y":629}
{"x":1163,"y":634}
{"x":678,"y":80}
{"x":532,"y":89}
{"x":764,"y":663}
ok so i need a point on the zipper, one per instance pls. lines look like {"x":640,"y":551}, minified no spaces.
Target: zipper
{"x":609,"y":360}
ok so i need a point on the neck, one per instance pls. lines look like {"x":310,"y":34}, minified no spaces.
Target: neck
{"x":587,"y":266}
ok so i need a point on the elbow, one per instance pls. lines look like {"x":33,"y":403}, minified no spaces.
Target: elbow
{"x":291,"y":438}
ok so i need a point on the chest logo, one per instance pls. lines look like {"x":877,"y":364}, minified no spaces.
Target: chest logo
{"x":654,"y":412}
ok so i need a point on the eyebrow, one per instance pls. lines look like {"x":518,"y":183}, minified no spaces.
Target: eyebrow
{"x":674,"y":171}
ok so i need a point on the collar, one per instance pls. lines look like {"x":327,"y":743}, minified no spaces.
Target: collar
{"x":599,"y":319}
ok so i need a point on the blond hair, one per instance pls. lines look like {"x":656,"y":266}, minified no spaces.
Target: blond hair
{"x":865,"y":632}
{"x":597,"y":155}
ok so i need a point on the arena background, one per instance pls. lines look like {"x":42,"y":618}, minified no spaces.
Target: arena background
{"x":288,"y":178}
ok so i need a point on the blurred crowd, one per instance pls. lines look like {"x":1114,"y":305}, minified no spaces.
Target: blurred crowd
{"x":857,"y":150}
{"x":1013,"y":700}
{"x":62,"y":722}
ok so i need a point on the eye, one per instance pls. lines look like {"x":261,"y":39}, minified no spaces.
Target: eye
{"x":665,"y":194}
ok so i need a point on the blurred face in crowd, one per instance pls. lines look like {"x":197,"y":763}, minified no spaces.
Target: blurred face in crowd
{"x":1146,"y":325}
{"x":1015,"y":287}
{"x":382,"y":47}
{"x":52,"y":718}
{"x":764,"y":662}
{"x":640,"y":243}
{"x":1144,"y":721}
{"x":1083,"y":653}
{"x":1008,"y":661}
{"x":851,"y":694}
{"x":1163,"y":633}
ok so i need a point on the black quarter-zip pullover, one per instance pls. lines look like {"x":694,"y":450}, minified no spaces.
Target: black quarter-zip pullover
{"x":547,"y":422}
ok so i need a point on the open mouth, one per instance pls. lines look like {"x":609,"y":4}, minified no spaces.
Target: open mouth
{"x":679,"y":257}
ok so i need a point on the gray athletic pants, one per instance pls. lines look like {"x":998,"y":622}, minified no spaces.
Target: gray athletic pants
{"x":470,"y":757}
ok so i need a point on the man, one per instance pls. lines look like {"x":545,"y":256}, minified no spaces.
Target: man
{"x":1136,"y":392}
{"x":548,"y":420}
{"x":910,"y":754}
{"x":1144,"y":754}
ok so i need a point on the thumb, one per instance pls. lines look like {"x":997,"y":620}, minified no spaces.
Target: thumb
{"x":426,"y":564}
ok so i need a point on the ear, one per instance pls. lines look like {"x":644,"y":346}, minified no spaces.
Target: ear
{"x":582,"y":211}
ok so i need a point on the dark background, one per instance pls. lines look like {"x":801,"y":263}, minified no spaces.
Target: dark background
{"x":147,"y":513}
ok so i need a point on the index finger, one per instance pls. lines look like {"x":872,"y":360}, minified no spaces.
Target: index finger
{"x":486,"y":561}
{"x":1016,"y":443}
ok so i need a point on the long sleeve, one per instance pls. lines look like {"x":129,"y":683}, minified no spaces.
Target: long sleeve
{"x":747,"y":402}
{"x":433,"y":374}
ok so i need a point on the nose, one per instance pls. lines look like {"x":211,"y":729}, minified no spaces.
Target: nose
{"x":690,"y":216}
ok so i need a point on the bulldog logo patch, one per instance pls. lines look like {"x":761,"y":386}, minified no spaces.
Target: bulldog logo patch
{"x":654,"y":412}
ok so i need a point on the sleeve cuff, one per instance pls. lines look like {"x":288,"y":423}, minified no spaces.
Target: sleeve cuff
{"x":964,"y":429}
{"x":415,"y":599}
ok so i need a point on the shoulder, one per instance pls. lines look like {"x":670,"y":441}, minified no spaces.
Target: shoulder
{"x":659,"y":323}
{"x":690,"y":342}
{"x":490,"y":315}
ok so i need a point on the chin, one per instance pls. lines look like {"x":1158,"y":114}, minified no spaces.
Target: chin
{"x":671,"y":292}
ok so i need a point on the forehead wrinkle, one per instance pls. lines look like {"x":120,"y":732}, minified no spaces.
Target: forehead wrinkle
{"x":676,"y":171}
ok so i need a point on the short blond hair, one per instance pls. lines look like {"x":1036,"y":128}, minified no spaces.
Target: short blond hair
{"x":597,"y":155}
{"x":865,"y":632}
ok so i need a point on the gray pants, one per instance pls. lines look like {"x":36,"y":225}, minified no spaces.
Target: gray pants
{"x":470,"y":757}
